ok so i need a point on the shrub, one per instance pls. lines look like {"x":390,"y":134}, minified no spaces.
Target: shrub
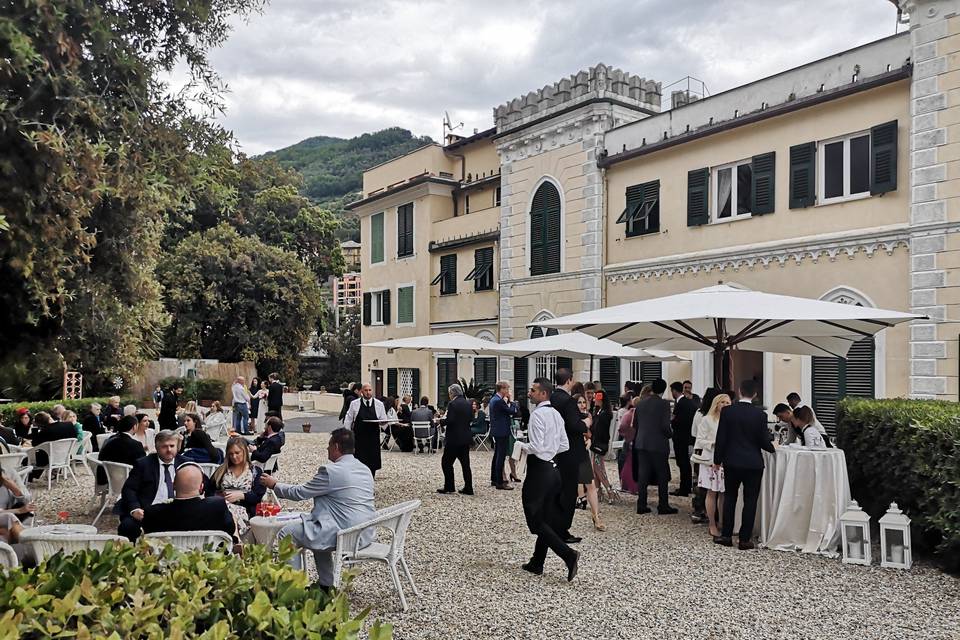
{"x":130,"y":592}
{"x":908,"y":452}
{"x":196,"y":388}
{"x":8,"y":412}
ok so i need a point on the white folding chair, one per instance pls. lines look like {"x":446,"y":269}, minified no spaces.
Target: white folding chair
{"x":270,"y":466}
{"x":422,"y":435}
{"x":102,"y":439}
{"x":117,"y":473}
{"x":47,"y":544}
{"x":190,"y":540}
{"x":396,"y":519}
{"x":480,"y":439}
{"x":8,"y":557}
{"x":59,"y":456}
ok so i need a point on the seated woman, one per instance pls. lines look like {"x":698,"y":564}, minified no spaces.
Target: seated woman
{"x":390,"y":406}
{"x":803,"y":420}
{"x":15,"y":507}
{"x":145,"y":432}
{"x":478,"y":426}
{"x":215,"y":423}
{"x":238,"y":482}
{"x":197,"y":445}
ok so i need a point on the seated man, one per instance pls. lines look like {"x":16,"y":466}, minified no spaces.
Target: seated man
{"x":189,"y":509}
{"x":121,"y":447}
{"x":425,"y":413}
{"x":270,"y":442}
{"x":48,"y":431}
{"x":342,"y":495}
{"x":150,"y":482}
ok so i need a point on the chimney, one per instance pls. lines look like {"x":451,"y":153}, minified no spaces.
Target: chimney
{"x":682,"y":97}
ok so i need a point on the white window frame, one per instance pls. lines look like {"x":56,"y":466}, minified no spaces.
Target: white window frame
{"x":715,"y":193}
{"x":384,"y":232}
{"x":821,"y":168}
{"x":376,"y":307}
{"x":413,"y":304}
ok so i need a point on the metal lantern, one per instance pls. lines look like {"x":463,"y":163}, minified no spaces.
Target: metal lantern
{"x":855,"y":530}
{"x":895,"y":539}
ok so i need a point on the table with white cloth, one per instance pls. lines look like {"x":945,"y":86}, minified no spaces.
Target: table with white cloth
{"x":803,"y":494}
{"x":30,"y":533}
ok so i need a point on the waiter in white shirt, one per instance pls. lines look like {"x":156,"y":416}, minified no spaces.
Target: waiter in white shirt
{"x":541,"y":487}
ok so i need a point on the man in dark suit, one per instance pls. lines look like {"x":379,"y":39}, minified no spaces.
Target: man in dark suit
{"x":275,"y":395}
{"x":456,"y":446}
{"x":568,"y":462}
{"x":684,"y":409}
{"x":651,"y":447}
{"x":189,"y":509}
{"x":502,"y":411}
{"x":270,"y":442}
{"x":93,"y":423}
{"x":167,"y":418}
{"x":741,"y":434}
{"x":121,"y":447}
{"x":349,"y":395}
{"x":150,"y":482}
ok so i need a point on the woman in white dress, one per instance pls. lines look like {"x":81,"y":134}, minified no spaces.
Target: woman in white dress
{"x":144,"y":433}
{"x":262,"y":405}
{"x":216,"y":422}
{"x":711,"y":476}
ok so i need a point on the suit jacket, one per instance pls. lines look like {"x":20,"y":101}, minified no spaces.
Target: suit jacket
{"x":342,"y":493}
{"x":574,"y":425}
{"x":192,"y":514}
{"x":741,"y":434}
{"x":348,"y":397}
{"x":275,"y":396}
{"x":683,"y":413}
{"x":55,"y":431}
{"x":120,"y":447}
{"x":94,"y":424}
{"x":458,"y":419}
{"x":651,"y":419}
{"x":267,"y":447}
{"x":141,"y":486}
{"x":501,"y":414}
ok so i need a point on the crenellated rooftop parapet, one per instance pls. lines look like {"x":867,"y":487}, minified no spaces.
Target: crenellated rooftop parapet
{"x":597,"y":82}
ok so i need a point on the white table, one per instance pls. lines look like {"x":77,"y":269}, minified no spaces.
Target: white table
{"x":266,"y":528}
{"x":57,"y":530}
{"x":803,"y":494}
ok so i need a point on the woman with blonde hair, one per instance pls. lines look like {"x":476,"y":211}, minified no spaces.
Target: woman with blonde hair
{"x":710,"y":476}
{"x":238,"y":482}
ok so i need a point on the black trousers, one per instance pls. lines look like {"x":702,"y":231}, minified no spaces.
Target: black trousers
{"x":499,"y":457}
{"x":569,"y":467}
{"x":540,"y":497}
{"x":733,"y":477}
{"x":699,"y":500}
{"x":129,"y":528}
{"x":652,"y":465}
{"x":681,"y":450}
{"x":461,"y":453}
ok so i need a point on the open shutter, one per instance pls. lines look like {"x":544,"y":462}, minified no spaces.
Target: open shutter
{"x":446,"y":376}
{"x":385,"y":297}
{"x":698,"y":211}
{"x":521,"y":377}
{"x":802,"y":176}
{"x":827,"y":388}
{"x":448,"y":271}
{"x":610,"y":376}
{"x":883,"y":158}
{"x":564,"y":363}
{"x":366,"y":309}
{"x":763,"y":172}
{"x":392,"y":383}
{"x":376,"y":237}
{"x":415,"y":384}
{"x":859,"y":375}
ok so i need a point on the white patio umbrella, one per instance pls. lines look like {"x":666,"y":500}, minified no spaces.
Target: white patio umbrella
{"x":454,"y":341}
{"x":722,"y":317}
{"x":581,"y":345}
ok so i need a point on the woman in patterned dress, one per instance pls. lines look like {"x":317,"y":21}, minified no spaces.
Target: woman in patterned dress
{"x":238,"y":482}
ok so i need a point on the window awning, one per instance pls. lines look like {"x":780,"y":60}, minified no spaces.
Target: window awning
{"x":479,"y":272}
{"x":439,"y":278}
{"x":637,"y":212}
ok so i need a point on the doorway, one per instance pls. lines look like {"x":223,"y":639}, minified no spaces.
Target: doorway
{"x":376,"y":380}
{"x":746,"y":365}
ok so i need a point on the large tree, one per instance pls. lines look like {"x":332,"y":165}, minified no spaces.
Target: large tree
{"x":94,"y":153}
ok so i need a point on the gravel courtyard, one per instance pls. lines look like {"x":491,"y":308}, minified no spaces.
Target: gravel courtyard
{"x":645,"y":577}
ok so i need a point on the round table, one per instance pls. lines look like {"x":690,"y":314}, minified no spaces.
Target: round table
{"x":266,"y":528}
{"x":57,"y":529}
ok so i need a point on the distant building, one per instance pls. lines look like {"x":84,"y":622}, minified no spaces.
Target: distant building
{"x":351,"y":255}
{"x":346,"y":292}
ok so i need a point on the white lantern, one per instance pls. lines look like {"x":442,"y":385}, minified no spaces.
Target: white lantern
{"x":895,"y":539}
{"x":855,"y":530}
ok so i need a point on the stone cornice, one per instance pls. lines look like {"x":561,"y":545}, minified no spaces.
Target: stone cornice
{"x":571,"y":130}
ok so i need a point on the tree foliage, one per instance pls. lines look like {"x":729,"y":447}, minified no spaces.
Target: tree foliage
{"x":232,"y":297}
{"x":342,"y":346}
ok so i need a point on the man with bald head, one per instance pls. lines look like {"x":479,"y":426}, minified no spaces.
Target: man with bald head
{"x":189,"y":510}
{"x":365,"y":417}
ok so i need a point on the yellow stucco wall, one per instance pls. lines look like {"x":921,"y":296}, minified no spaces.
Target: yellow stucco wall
{"x":430,"y":159}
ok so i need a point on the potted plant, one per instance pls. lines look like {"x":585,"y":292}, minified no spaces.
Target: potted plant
{"x":306,"y":427}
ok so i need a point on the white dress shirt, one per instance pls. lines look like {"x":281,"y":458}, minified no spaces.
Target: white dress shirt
{"x":354,"y":409}
{"x":546,"y":433}
{"x":812,"y":438}
{"x":240,"y":393}
{"x":162,"y":494}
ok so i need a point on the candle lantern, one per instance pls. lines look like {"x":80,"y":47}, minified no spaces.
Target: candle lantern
{"x":855,"y":530}
{"x":895,"y":539}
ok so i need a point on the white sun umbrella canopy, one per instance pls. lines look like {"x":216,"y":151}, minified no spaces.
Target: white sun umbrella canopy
{"x":454,"y":341}
{"x":581,"y":345}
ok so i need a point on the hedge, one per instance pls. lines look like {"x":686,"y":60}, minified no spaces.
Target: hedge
{"x":908,"y":452}
{"x":196,"y":388}
{"x":129,"y":591}
{"x":8,"y":412}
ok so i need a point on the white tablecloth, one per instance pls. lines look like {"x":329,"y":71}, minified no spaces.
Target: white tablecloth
{"x":803,"y":494}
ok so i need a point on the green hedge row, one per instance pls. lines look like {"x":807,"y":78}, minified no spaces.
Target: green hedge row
{"x":196,"y":388}
{"x":908,"y":452}
{"x":8,"y":412}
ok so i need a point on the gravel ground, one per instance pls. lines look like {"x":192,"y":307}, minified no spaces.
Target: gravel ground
{"x":645,"y":577}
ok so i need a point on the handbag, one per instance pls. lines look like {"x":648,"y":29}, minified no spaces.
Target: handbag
{"x":699,"y":458}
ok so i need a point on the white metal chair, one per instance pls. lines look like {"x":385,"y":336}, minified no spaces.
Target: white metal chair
{"x":270,"y":466}
{"x":12,"y":463}
{"x":222,"y":448}
{"x":422,"y":435}
{"x":23,"y":474}
{"x":47,"y":544}
{"x":59,"y":456}
{"x":8,"y":557}
{"x":190,"y":540}
{"x":92,"y":462}
{"x":102,"y":439}
{"x":208,"y":468}
{"x":396,"y":519}
{"x":480,"y":439}
{"x":82,"y":449}
{"x":117,"y":473}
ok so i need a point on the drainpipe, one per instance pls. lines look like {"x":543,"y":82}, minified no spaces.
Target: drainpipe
{"x":463,"y":176}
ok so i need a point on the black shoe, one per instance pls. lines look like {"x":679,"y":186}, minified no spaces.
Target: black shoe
{"x":504,"y":487}
{"x":572,"y":566}
{"x":582,"y":504}
{"x":667,"y":510}
{"x":466,"y":492}
{"x":746,"y":546}
{"x":444,"y":490}
{"x":698,"y":519}
{"x":678,"y":492}
{"x":572,"y":539}
{"x":532,"y":568}
{"x":643,"y":510}
{"x":727,"y":542}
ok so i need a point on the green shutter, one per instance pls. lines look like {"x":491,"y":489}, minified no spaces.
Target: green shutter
{"x":405,"y":230}
{"x":883,"y":158}
{"x":610,"y":376}
{"x":405,"y":304}
{"x":446,"y":376}
{"x":392,"y":383}
{"x":485,"y":373}
{"x":416,"y":385}
{"x":650,"y":371}
{"x":385,"y":306}
{"x":448,"y":269}
{"x":836,"y":378}
{"x":762,"y":182}
{"x":564,"y":363}
{"x":803,"y":175}
{"x":521,"y":377}
{"x":545,"y":231}
{"x":376,"y":238}
{"x":698,"y":210}
{"x":366,"y":309}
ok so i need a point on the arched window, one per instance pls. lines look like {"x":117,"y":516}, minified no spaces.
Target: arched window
{"x":545,"y":230}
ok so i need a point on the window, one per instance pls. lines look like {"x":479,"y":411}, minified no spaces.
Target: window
{"x":544,"y":366}
{"x":405,"y":383}
{"x":405,"y":230}
{"x":376,"y":238}
{"x":447,"y":278}
{"x":731,"y":190}
{"x":545,"y":230}
{"x":405,"y":305}
{"x":485,"y":373}
{"x":844,"y":167}
{"x":496,"y":197}
{"x":642,"y":211}
{"x":836,"y":378}
{"x":376,"y":307}
{"x":446,"y":376}
{"x":482,"y":272}
{"x":645,"y":372}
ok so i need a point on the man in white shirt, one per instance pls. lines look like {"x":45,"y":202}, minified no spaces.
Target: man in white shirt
{"x":241,"y":406}
{"x":541,"y":488}
{"x":793,"y":399}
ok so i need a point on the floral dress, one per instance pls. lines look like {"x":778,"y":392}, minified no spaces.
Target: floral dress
{"x":244,"y":483}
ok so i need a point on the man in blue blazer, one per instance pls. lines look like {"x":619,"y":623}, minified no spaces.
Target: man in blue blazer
{"x":502,"y":411}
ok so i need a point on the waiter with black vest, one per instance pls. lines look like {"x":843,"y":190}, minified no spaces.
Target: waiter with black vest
{"x":364,"y":418}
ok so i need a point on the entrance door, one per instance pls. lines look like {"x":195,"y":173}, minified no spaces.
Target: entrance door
{"x":376,"y":381}
{"x":747,"y":365}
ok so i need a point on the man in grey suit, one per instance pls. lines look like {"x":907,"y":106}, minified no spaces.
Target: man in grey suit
{"x":651,"y":447}
{"x":342,"y":495}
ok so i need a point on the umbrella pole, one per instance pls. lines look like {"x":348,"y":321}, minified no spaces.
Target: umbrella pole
{"x":591,"y":368}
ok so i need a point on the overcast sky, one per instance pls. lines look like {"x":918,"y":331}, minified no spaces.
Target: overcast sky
{"x":344,"y":67}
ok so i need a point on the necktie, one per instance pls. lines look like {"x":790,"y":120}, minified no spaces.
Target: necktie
{"x":168,"y":480}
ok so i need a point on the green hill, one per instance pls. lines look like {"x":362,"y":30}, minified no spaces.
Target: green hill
{"x":332,"y":168}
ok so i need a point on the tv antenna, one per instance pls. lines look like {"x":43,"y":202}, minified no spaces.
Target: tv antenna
{"x":448,"y":127}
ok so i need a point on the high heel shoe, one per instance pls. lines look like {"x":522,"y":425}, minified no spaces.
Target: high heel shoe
{"x":599,"y":526}
{"x":514,"y":478}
